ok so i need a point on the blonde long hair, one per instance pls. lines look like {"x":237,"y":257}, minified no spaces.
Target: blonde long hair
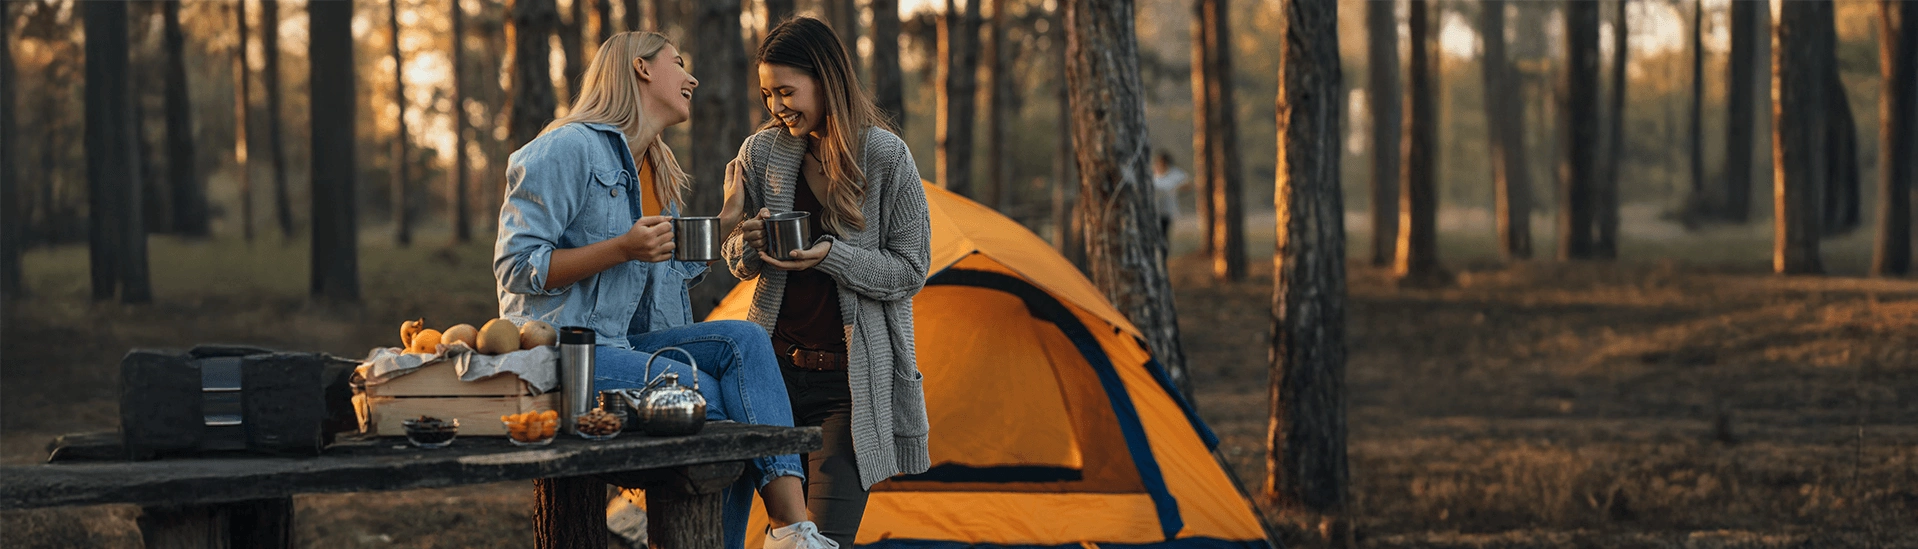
{"x":809,"y":45}
{"x":609,"y":94}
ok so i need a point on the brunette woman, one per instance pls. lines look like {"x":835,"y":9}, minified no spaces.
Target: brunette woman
{"x":839,"y":311}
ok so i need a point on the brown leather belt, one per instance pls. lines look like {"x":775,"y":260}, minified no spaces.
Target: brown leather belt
{"x":816,"y":361}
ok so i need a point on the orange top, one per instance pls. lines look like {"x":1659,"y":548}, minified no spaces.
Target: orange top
{"x":648,"y":192}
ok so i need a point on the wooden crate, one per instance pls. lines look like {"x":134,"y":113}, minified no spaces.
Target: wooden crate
{"x":436,"y":390}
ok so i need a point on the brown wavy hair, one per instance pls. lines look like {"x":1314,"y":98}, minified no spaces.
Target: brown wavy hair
{"x":809,"y":45}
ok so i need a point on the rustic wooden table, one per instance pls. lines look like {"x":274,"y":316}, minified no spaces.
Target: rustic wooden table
{"x":246,"y":501}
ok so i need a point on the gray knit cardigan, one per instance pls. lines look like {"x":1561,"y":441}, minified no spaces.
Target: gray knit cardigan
{"x":878,"y":271}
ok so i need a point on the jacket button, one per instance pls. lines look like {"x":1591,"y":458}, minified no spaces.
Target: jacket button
{"x":615,"y":192}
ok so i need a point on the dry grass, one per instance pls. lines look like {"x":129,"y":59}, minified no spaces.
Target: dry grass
{"x":1646,"y":404}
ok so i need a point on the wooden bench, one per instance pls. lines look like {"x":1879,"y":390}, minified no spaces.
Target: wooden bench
{"x":246,"y":501}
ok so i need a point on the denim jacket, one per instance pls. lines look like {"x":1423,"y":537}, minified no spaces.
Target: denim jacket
{"x":571,"y":187}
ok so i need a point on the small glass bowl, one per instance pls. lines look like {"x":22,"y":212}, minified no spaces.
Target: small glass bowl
{"x":429,"y":433}
{"x":607,"y":436}
{"x":526,"y":443}
{"x":599,"y":415}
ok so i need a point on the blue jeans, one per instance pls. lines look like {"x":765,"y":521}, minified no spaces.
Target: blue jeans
{"x":739,"y":377}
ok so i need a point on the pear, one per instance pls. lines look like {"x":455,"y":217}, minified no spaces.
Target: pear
{"x":427,"y":341}
{"x":536,"y":333}
{"x":498,"y":336}
{"x":463,"y":333}
{"x":409,"y":329}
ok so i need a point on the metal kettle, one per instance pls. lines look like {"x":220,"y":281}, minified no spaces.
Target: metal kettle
{"x":667,"y":408}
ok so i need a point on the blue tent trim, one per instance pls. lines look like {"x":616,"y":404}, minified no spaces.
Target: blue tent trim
{"x":1187,"y":543}
{"x":1006,"y":473}
{"x":1043,"y":306}
{"x":1191,"y":414}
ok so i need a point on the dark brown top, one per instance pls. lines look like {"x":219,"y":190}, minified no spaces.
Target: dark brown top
{"x":809,"y":316}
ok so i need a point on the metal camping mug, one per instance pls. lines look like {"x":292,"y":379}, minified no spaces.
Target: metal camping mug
{"x":696,"y":238}
{"x":786,"y":232}
{"x":575,"y":375}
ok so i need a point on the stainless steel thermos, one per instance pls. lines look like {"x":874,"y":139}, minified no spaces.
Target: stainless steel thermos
{"x":575,"y":376}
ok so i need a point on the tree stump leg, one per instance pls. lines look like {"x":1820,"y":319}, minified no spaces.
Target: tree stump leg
{"x":683,"y":507}
{"x":570,"y":513}
{"x":261,"y":523}
{"x":184,"y":527}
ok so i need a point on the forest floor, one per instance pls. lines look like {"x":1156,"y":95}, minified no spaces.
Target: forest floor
{"x":1694,"y":402}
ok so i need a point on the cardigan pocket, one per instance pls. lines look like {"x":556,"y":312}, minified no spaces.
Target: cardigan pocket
{"x":909,"y":404}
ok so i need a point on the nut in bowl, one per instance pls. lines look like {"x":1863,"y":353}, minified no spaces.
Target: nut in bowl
{"x":431,"y":432}
{"x":598,"y":425}
{"x":531,"y":428}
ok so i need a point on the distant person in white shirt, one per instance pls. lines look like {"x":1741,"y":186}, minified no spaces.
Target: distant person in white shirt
{"x":1167,"y":179}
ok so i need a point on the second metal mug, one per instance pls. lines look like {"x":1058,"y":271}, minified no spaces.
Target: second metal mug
{"x":696,"y":238}
{"x":787,"y":231}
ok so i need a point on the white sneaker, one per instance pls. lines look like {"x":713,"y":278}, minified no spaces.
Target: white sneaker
{"x":798,"y":535}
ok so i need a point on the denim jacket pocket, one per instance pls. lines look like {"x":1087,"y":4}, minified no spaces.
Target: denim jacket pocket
{"x":609,"y":211}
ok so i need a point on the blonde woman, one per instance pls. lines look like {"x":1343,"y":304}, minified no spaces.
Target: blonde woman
{"x":840,"y":312}
{"x":585,"y":239}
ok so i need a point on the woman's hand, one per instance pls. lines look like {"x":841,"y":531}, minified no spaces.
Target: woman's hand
{"x":650,"y":239}
{"x":801,"y":259}
{"x":754,"y":230}
{"x":735,"y":206}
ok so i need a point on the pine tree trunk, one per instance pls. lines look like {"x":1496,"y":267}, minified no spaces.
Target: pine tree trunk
{"x":1739,"y":121}
{"x":888,"y":79}
{"x":633,"y":16}
{"x":779,"y":10}
{"x":462,"y":218}
{"x":570,"y":49}
{"x":1578,"y":154}
{"x":1228,"y":217}
{"x":1306,"y":443}
{"x":1122,"y":240}
{"x":533,"y":100}
{"x":1842,"y":187}
{"x":188,"y":192}
{"x":1803,"y":38}
{"x":958,"y":75}
{"x":1504,"y":125}
{"x":719,"y":124}
{"x":1066,"y":233}
{"x":330,"y":75}
{"x":1897,"y":137}
{"x":398,"y":165}
{"x":1204,"y":118}
{"x":1383,"y":99}
{"x":117,"y":235}
{"x":242,"y":102}
{"x":1417,"y":262}
{"x":1605,"y":187}
{"x":1703,"y":203}
{"x":13,"y":215}
{"x":994,"y":190}
{"x":603,"y":21}
{"x":270,"y":46}
{"x":843,"y":15}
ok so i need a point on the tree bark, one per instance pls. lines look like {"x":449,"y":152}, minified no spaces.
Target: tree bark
{"x":1577,"y":155}
{"x":1842,"y":188}
{"x":1222,"y":156}
{"x":533,"y":100}
{"x":1505,"y":127}
{"x":117,"y":235}
{"x":1803,"y":37}
{"x":559,"y":502}
{"x":603,"y":21}
{"x":995,"y":191}
{"x":1204,"y":118}
{"x":1066,"y":233}
{"x":270,"y":46}
{"x":888,"y":79}
{"x":1122,"y":238}
{"x":720,"y":123}
{"x":242,"y":102}
{"x":633,"y":15}
{"x":1739,"y":121}
{"x":779,"y":10}
{"x":1417,"y":261}
{"x":13,"y":216}
{"x":1703,"y":203}
{"x":958,"y":76}
{"x":335,"y":245}
{"x":569,"y":47}
{"x":1897,"y":137}
{"x":398,"y":166}
{"x":843,"y":15}
{"x":1605,"y":188}
{"x":188,"y":192}
{"x":1382,"y":96}
{"x":1306,"y":443}
{"x":462,"y":219}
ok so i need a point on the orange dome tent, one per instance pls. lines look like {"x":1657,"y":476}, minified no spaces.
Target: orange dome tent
{"x":1052,"y":425}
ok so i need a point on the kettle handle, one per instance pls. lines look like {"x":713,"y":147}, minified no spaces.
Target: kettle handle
{"x":689,"y":362}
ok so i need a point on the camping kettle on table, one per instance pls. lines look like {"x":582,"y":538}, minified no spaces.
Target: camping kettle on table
{"x":667,"y":408}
